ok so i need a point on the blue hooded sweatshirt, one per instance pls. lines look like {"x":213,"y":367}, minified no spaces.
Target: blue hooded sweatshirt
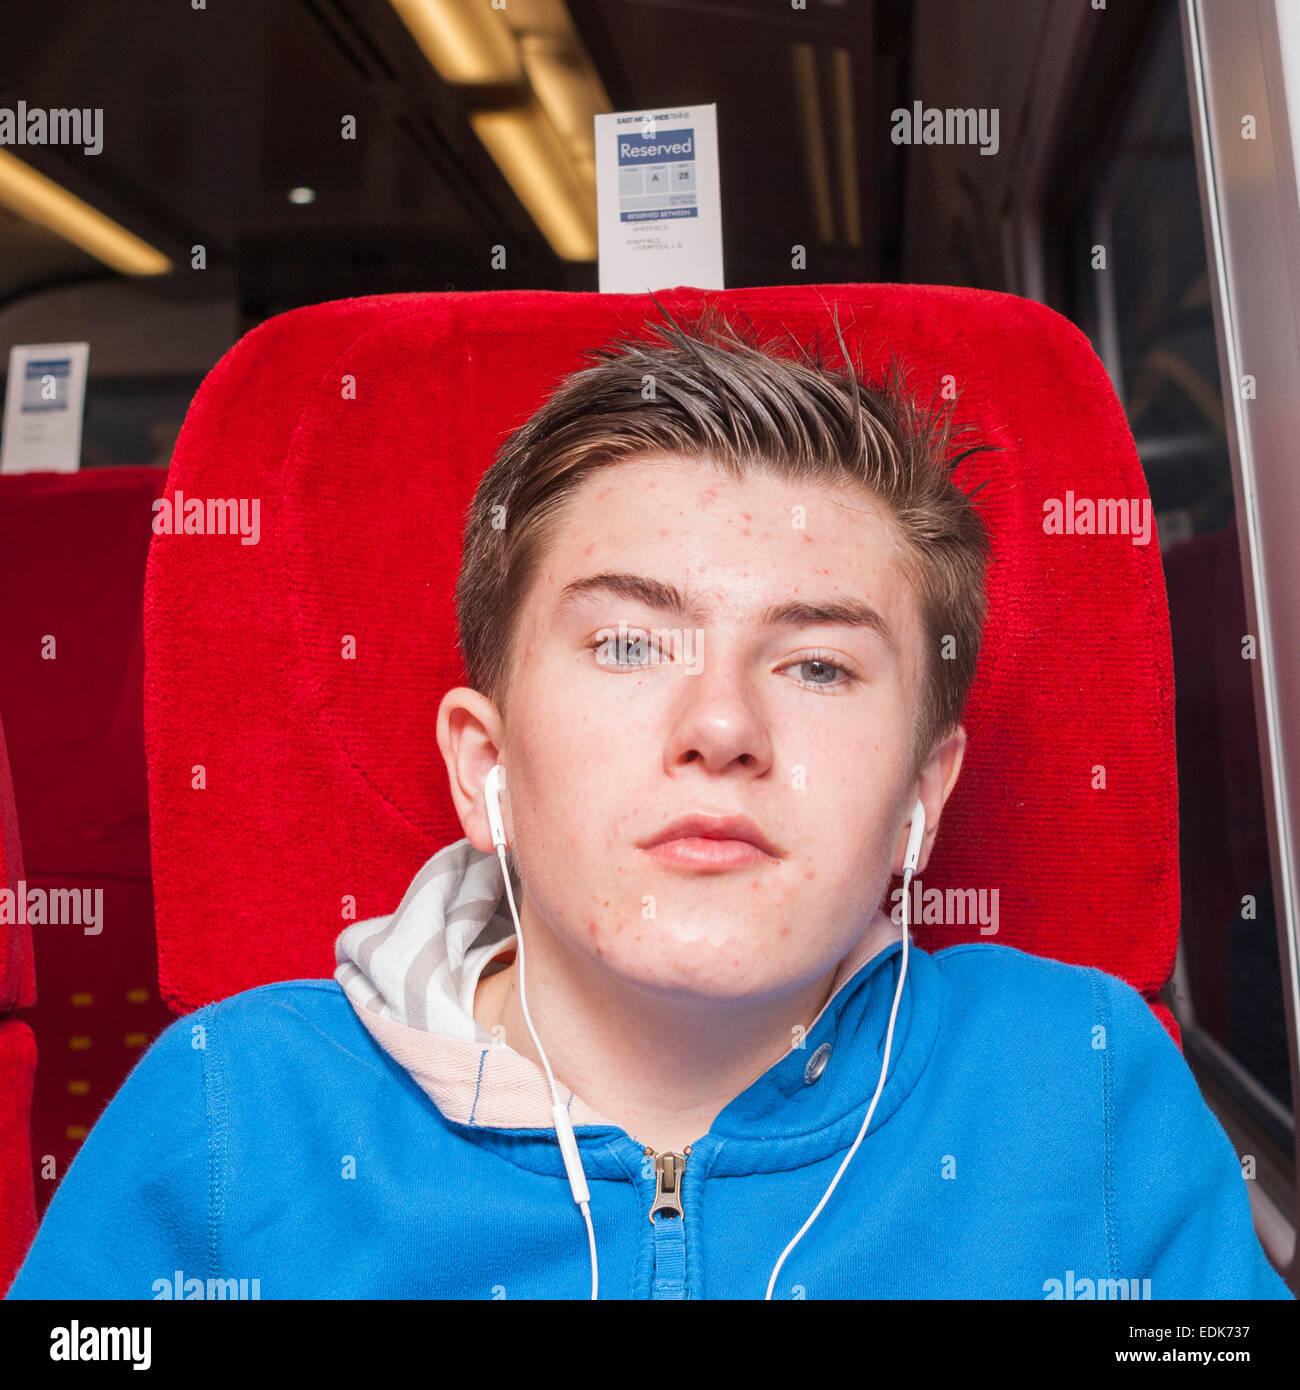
{"x":1039,"y":1136}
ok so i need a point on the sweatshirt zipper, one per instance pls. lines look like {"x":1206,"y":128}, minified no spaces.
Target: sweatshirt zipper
{"x":670,"y":1229}
{"x":668,"y":1180}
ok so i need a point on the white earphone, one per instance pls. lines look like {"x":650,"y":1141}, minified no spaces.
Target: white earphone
{"x":492,"y":789}
{"x":911,"y":857}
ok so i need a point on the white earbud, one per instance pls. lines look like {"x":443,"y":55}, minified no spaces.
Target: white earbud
{"x":492,"y":789}
{"x":914,"y":838}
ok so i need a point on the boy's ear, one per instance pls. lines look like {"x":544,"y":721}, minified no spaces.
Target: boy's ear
{"x":470,"y":737}
{"x":934,"y":785}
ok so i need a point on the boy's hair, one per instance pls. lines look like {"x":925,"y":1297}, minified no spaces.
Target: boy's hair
{"x":714,"y":393}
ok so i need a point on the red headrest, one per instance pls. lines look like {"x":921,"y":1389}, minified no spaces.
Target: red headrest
{"x":74,"y":545}
{"x":284,"y":779}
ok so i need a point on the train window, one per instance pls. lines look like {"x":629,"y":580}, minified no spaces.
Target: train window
{"x":1134,"y":276}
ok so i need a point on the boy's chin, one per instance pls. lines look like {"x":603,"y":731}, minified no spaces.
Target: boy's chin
{"x":676,"y":976}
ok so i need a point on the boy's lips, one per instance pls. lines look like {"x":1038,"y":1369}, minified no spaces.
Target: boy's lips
{"x":697,"y":852}
{"x":701,"y":826}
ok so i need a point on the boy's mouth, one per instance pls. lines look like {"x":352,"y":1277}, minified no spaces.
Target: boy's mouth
{"x":701,"y":852}
{"x":712,"y":841}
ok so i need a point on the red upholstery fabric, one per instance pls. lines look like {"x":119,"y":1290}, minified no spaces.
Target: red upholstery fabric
{"x":72,"y":555}
{"x":17,"y":969}
{"x":17,"y":1055}
{"x":17,"y":1195}
{"x":72,"y":558}
{"x":322,"y":775}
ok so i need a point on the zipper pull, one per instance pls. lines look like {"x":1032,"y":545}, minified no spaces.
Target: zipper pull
{"x":668,"y":1181}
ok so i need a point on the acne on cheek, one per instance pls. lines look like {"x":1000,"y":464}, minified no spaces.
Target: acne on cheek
{"x":593,"y":929}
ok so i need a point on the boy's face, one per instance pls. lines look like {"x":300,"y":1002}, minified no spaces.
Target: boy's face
{"x":606,"y":745}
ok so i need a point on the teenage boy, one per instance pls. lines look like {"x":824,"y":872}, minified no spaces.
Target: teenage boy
{"x":703,"y":600}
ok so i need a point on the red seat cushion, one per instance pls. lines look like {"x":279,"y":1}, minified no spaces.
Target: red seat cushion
{"x":17,"y":1056}
{"x":17,"y":1203}
{"x":72,"y":559}
{"x":322,"y":778}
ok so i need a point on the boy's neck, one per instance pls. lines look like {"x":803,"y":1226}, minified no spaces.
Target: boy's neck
{"x":663,"y":1068}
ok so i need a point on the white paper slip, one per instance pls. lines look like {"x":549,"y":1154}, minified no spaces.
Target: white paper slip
{"x":45,"y":398}
{"x":659,"y":200}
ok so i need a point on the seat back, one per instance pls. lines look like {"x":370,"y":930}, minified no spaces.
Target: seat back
{"x":72,"y":557}
{"x":293,"y":787}
{"x":17,"y":1052}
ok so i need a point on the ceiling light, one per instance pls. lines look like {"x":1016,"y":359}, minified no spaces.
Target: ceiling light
{"x":42,"y":200}
{"x":816,"y":164}
{"x":571,"y":94}
{"x":530,"y":155}
{"x":468,"y":44}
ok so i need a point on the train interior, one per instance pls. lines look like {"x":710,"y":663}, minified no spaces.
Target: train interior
{"x":254,"y":159}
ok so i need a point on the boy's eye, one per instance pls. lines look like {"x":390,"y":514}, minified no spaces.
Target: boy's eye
{"x":820,"y":665}
{"x":641,"y":648}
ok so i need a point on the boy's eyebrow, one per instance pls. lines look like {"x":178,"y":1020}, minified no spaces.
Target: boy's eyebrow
{"x":654,"y":593}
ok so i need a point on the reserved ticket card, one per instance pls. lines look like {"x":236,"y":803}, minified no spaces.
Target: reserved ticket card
{"x":658,"y":200}
{"x":44,"y":401}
